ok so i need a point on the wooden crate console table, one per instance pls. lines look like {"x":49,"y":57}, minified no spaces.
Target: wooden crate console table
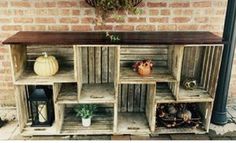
{"x":95,"y":70}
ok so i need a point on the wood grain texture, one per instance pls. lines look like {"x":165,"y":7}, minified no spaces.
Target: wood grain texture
{"x":129,"y":38}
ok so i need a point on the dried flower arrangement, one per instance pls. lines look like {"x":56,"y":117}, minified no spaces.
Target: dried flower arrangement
{"x":113,"y":9}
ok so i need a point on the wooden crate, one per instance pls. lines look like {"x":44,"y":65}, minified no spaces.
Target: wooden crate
{"x":205,"y":109}
{"x":202,"y":64}
{"x":23,"y":58}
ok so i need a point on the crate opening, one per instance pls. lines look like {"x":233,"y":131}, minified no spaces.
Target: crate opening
{"x":181,"y":116}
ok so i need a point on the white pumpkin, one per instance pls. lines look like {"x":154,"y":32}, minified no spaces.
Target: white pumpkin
{"x":46,"y":65}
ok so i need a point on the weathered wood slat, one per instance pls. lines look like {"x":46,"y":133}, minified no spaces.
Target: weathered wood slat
{"x":143,"y":96}
{"x":132,"y":123}
{"x":111,"y":64}
{"x":137,"y":95}
{"x":97,"y":64}
{"x":91,"y":64}
{"x":143,"y":50}
{"x":105,"y":64}
{"x":85,"y":63}
{"x":158,"y":74}
{"x":129,"y":63}
{"x":63,"y":75}
{"x":68,"y":93}
{"x":97,"y":93}
{"x":124,"y":97}
{"x":130,"y":98}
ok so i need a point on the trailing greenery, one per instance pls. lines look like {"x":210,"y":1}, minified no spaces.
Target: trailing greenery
{"x":85,"y":110}
{"x":113,"y":8}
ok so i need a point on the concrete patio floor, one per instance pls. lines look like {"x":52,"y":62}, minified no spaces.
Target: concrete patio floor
{"x":227,"y":132}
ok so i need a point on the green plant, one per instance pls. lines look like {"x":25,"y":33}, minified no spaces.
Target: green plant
{"x":114,"y":8}
{"x":112,"y":37}
{"x":85,"y":110}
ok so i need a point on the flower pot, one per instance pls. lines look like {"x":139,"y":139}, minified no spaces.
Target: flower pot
{"x":86,"y":122}
{"x":144,"y":71}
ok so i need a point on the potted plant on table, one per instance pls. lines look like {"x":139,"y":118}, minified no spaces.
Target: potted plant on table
{"x":85,"y":111}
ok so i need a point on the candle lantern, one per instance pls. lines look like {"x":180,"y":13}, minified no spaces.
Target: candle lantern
{"x":41,"y":106}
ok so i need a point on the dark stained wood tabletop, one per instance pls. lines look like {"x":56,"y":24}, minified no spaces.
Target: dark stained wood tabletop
{"x":126,"y":38}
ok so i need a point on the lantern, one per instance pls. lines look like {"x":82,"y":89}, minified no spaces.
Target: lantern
{"x":41,"y":106}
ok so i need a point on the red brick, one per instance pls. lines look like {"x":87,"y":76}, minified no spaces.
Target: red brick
{"x":23,"y":20}
{"x":103,"y":27}
{"x":181,"y":19}
{"x":89,"y":12}
{"x":220,"y":11}
{"x":217,"y":19}
{"x":188,"y":12}
{"x":64,"y":12}
{"x":210,"y":27}
{"x":69,"y":20}
{"x":167,"y":27}
{"x":75,"y":12}
{"x":45,"y":20}
{"x":11,"y":27}
{"x":135,"y":19}
{"x":88,"y":20}
{"x":53,"y":12}
{"x":3,"y":4}
{"x":45,"y":4}
{"x":141,"y":4}
{"x":188,"y":27}
{"x":21,"y":3}
{"x":84,"y":4}
{"x":202,"y":4}
{"x":34,"y":27}
{"x":179,"y":4}
{"x":124,"y":27}
{"x":41,"y":12}
{"x":5,"y":20}
{"x":177,"y":12}
{"x":58,"y":27}
{"x":112,"y":20}
{"x":165,"y":12}
{"x":159,"y":20}
{"x":156,"y":4}
{"x":222,"y":4}
{"x":81,"y":28}
{"x":153,"y":11}
{"x":201,"y":19}
{"x":67,"y":4}
{"x":146,"y":28}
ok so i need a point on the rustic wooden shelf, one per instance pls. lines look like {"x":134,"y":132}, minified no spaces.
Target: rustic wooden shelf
{"x":101,"y":73}
{"x":97,"y":93}
{"x":68,"y":94}
{"x":27,"y":131}
{"x":101,"y":123}
{"x":160,"y":74}
{"x":197,"y":94}
{"x":29,"y":77}
{"x":133,"y":123}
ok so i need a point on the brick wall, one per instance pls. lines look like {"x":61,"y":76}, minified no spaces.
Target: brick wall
{"x":76,"y":15}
